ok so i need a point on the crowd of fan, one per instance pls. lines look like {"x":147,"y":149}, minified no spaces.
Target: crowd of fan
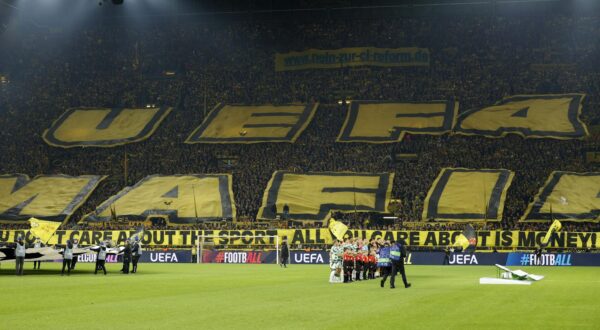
{"x":476,"y":60}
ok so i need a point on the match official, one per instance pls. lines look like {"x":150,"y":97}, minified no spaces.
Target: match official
{"x":397,"y":255}
{"x":285,"y":253}
{"x":384,"y":262}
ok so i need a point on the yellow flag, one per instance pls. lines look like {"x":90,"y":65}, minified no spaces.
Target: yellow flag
{"x":462,"y":241}
{"x":467,"y":239}
{"x":338,"y":228}
{"x":556,"y":226}
{"x":43,"y":229}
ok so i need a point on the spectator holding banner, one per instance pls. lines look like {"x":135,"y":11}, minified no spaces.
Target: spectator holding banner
{"x":335,"y":262}
{"x":126,"y":257}
{"x":20,"y":255}
{"x":67,"y":258}
{"x":75,"y":246}
{"x":37,"y":245}
{"x":476,"y":71}
{"x":101,"y":258}
{"x":136,"y":253}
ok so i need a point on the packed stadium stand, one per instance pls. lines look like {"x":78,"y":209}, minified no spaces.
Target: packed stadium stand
{"x":477,"y":57}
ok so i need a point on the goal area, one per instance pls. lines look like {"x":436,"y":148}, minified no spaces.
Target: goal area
{"x":236,"y":249}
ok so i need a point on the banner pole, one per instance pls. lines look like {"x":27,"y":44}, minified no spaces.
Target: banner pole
{"x":205,"y":91}
{"x":125,"y":169}
{"x":277,"y":249}
{"x":354,"y":195}
{"x":201,"y":243}
{"x":195,"y":205}
{"x":485,"y":206}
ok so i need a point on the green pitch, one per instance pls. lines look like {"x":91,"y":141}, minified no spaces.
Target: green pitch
{"x":217,"y":296}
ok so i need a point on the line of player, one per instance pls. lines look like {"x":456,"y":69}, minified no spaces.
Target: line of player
{"x":355,"y":259}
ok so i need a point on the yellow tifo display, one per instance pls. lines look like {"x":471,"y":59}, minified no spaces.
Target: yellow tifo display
{"x":312,"y":196}
{"x":254,"y":123}
{"x":47,"y":197}
{"x":567,"y":196}
{"x":539,"y":116}
{"x":102,"y":127}
{"x":460,"y":194}
{"x":389,"y":121}
{"x":181,"y":199}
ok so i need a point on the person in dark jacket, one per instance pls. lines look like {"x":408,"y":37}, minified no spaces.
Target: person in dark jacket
{"x":398,"y":264}
{"x":136,"y":253}
{"x":446,"y":256}
{"x":74,"y":260}
{"x":126,"y":258}
{"x":285,"y":253}
{"x":384,"y":262}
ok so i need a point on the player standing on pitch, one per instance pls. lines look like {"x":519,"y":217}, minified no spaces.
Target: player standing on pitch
{"x":397,"y":255}
{"x":372,"y":264}
{"x":358,"y":262}
{"x":335,"y":262}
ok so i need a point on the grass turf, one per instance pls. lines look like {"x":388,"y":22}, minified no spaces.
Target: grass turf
{"x":216,"y":296}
